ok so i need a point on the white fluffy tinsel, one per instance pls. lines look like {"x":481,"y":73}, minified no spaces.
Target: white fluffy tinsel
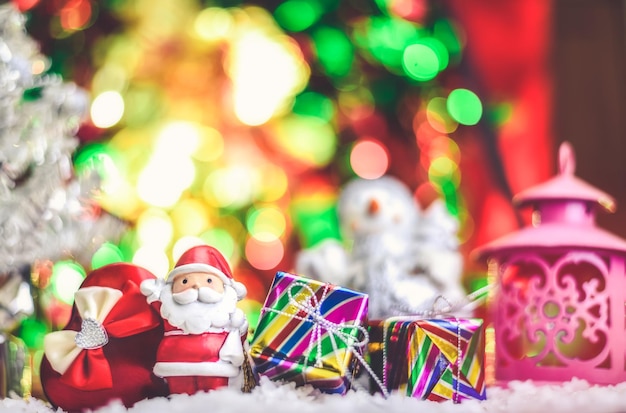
{"x":576,"y":396}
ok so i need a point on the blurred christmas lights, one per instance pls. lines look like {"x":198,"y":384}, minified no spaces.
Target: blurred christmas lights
{"x":236,"y":126}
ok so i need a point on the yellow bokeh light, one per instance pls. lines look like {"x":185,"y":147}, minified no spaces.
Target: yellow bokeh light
{"x":276,"y":183}
{"x":267,"y":224}
{"x":444,"y":146}
{"x":231,"y":187}
{"x":444,"y":169}
{"x":163,"y":180}
{"x":109,"y":77}
{"x":190,"y":217}
{"x":154,"y":228}
{"x":210,"y":145}
{"x":152,"y":259}
{"x":107,"y":109}
{"x":213,"y":23}
{"x":309,"y":139}
{"x":267,"y":71}
{"x":178,"y":139}
{"x":438,"y":116}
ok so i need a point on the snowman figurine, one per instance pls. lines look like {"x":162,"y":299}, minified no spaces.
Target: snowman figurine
{"x":405,"y":259}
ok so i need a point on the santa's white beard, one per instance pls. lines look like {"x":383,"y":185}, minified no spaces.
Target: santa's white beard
{"x":199,"y":316}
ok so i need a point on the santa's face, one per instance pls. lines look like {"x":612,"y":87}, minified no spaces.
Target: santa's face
{"x":197,"y":280}
{"x":197,"y":286}
{"x":195,"y":306}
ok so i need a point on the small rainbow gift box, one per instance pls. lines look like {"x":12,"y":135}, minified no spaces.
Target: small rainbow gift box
{"x":310,"y":332}
{"x":430,"y":359}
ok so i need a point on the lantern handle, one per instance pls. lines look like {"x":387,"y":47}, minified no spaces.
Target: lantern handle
{"x":567,"y":159}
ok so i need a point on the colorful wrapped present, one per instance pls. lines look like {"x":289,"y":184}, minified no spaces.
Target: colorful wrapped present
{"x":310,"y":333}
{"x":430,"y":359}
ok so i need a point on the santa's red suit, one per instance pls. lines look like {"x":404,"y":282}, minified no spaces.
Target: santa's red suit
{"x":201,"y":361}
{"x":198,"y":362}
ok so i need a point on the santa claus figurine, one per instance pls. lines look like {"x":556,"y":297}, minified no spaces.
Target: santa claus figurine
{"x":204,"y":332}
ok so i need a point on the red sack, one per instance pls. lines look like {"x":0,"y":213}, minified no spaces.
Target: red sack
{"x":108,"y":349}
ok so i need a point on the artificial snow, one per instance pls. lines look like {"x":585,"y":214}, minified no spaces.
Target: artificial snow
{"x":576,"y":396}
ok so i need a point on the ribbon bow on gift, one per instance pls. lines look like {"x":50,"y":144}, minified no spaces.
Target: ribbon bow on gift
{"x":105,"y":312}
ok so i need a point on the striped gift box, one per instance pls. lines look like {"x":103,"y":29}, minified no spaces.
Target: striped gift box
{"x":308,"y":332}
{"x":430,"y":359}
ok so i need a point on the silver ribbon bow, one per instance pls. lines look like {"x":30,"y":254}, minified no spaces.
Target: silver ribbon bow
{"x":312,"y":306}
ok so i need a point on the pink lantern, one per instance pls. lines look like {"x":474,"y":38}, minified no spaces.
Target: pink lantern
{"x":561,"y":287}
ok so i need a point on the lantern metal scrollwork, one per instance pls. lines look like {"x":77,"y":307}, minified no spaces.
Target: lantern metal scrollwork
{"x":559,"y":305}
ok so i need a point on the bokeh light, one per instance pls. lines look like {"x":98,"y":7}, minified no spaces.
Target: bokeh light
{"x":306,"y":138}
{"x":183,"y":244}
{"x":264,"y":255}
{"x":334,"y":51}
{"x":465,"y":106}
{"x":75,"y":14}
{"x":153,"y":260}
{"x":32,"y":332}
{"x":236,"y":126}
{"x":267,"y":71}
{"x":108,"y":253}
{"x":231,"y":187}
{"x":213,"y":23}
{"x":420,"y":62}
{"x":210,"y":144}
{"x":369,"y":159}
{"x":314,"y":104}
{"x":221,"y":239}
{"x":162,"y":186}
{"x":107,"y":109}
{"x":67,"y":277}
{"x":154,"y":228}
{"x":266,"y":223}
{"x":298,"y":15}
{"x":438,"y":116}
{"x":190,"y":217}
{"x":385,"y":38}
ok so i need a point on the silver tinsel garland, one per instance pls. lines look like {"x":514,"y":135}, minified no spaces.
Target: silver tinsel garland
{"x":46,"y":212}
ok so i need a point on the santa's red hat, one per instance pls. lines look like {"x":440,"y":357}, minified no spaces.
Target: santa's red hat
{"x":206,"y":259}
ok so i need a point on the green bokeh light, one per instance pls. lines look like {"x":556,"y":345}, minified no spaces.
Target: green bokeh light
{"x":440,"y":50}
{"x":66,"y":279}
{"x":386,"y":38}
{"x":446,"y":33}
{"x":32,"y":332}
{"x":143,"y":105}
{"x":89,"y":157}
{"x":252,"y":310}
{"x":220,"y":239}
{"x":315,"y":221}
{"x":334,"y":51}
{"x":500,"y":113}
{"x":314,"y":104}
{"x":298,"y":15}
{"x":128,"y":244}
{"x":464,"y":106}
{"x":107,"y":254}
{"x":420,"y":62}
{"x":265,"y":223}
{"x":308,"y":138}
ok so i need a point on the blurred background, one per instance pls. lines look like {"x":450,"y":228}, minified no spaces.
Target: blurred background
{"x":237,"y":123}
